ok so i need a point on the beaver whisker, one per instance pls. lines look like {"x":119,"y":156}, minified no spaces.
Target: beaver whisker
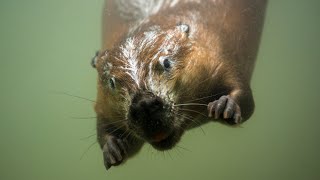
{"x":183,"y":148}
{"x":118,"y":118}
{"x":133,"y":131}
{"x":186,"y":115}
{"x":205,"y":97}
{"x":190,"y":110}
{"x":83,"y":117}
{"x":178,"y":152}
{"x":71,"y":95}
{"x":188,"y":118}
{"x":87,"y":150}
{"x":119,"y":121}
{"x":182,"y":116}
{"x":169,"y":155}
{"x":84,"y":138}
{"x":190,"y":104}
{"x":107,"y":129}
{"x":192,"y":120}
{"x":127,"y":131}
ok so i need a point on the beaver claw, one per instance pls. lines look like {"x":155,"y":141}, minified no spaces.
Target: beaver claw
{"x":114,"y":151}
{"x":225,"y":108}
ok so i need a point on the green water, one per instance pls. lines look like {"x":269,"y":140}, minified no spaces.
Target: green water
{"x":46,"y":46}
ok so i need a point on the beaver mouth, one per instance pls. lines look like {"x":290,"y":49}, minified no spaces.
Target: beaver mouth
{"x":165,"y":141}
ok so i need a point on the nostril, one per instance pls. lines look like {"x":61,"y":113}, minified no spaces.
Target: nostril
{"x":158,"y":102}
{"x":157,"y":107}
{"x":155,"y":104}
{"x":143,"y":104}
{"x":134,"y":112}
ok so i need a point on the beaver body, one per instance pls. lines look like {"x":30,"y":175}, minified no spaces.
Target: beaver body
{"x":167,"y":66}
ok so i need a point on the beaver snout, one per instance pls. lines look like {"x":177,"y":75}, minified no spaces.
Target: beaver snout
{"x":148,"y":114}
{"x":146,"y":106}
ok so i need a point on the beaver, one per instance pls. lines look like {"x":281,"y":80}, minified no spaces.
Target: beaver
{"x":168,"y":66}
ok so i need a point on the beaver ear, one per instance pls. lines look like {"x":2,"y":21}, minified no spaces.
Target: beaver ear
{"x":94,"y":60}
{"x":98,"y":55}
{"x":183,"y":27}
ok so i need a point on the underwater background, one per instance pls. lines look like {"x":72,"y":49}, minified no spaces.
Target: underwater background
{"x":45,"y":51}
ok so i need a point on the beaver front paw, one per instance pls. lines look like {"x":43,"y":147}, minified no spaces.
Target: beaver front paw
{"x":225,"y":108}
{"x":114,"y":151}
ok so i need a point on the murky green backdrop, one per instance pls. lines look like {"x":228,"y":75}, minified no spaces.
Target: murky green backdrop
{"x":46,"y":46}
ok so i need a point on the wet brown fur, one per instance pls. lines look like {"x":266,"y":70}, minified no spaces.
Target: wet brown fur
{"x":221,"y":55}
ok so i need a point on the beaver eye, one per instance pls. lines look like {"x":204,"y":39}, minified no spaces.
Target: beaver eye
{"x":166,"y":63}
{"x":112,"y":83}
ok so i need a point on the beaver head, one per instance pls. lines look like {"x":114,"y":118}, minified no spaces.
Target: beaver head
{"x":148,"y":79}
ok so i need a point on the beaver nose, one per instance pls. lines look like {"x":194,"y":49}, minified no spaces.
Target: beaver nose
{"x":149,"y":115}
{"x":146,"y":107}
